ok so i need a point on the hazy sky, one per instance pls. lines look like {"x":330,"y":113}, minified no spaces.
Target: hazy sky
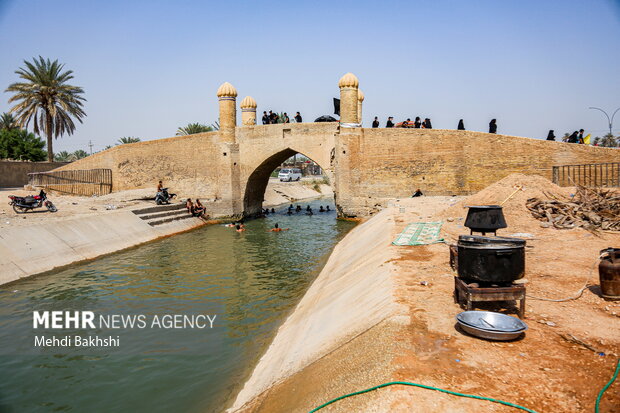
{"x":148,"y":67}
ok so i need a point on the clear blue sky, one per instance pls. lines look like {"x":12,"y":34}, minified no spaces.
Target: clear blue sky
{"x":148,"y":67}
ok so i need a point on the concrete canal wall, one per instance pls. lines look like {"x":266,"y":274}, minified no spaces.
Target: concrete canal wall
{"x":352,"y":294}
{"x":30,"y":250}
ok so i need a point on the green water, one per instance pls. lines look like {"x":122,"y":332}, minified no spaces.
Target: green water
{"x":250,"y":280}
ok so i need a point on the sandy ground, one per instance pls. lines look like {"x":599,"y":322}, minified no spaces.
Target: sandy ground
{"x":542,"y":370}
{"x":73,"y":206}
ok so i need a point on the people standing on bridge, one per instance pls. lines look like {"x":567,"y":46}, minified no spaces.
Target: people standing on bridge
{"x":298,"y":118}
{"x":461,"y":125}
{"x":493,"y":126}
{"x":573,"y":138}
{"x":265,"y":118}
{"x":390,"y":123}
{"x":550,"y":135}
{"x":286,"y":118}
{"x":375,"y":123}
{"x":417,"y":124}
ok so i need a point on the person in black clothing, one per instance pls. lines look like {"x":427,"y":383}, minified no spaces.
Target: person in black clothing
{"x":580,"y":140}
{"x":461,"y":125}
{"x":417,"y":193}
{"x":265,"y":118}
{"x":286,"y":118}
{"x":274,"y":118}
{"x":389,"y":123}
{"x":298,"y":118}
{"x":375,"y":123}
{"x":271,"y":117}
{"x":574,"y":138}
{"x":551,"y":135}
{"x":417,"y":124}
{"x":405,"y":124}
{"x":427,"y":124}
{"x":493,"y":126}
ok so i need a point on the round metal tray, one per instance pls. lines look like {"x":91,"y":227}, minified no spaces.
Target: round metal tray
{"x":491,"y":325}
{"x":491,"y":321}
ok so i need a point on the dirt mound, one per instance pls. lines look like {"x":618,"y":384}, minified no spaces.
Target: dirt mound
{"x":518,"y":217}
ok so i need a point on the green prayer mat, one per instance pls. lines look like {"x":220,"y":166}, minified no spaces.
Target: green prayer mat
{"x":419,"y":233}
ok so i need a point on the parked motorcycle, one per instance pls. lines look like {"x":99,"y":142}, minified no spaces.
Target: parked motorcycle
{"x":163,"y":197}
{"x":22,"y":204}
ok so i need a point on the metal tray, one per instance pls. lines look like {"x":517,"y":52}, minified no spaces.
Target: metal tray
{"x":491,"y":321}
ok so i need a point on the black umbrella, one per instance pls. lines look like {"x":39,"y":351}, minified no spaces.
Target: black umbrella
{"x":325,"y":118}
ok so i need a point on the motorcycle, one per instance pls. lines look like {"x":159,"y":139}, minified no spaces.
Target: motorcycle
{"x":22,"y":204}
{"x":163,"y":197}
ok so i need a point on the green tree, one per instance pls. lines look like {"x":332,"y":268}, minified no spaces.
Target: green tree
{"x":7,"y":121}
{"x":192,"y":128}
{"x":22,"y":145}
{"x":596,"y":141}
{"x":79,"y":154}
{"x":47,"y":99}
{"x":62,"y":156}
{"x":609,"y":141}
{"x":128,"y":139}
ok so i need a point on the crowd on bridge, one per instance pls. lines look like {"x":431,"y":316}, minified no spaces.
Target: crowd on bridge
{"x":273,"y":118}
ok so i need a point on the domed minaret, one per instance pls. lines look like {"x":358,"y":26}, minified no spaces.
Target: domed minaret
{"x":227,"y":96}
{"x":248,"y":111}
{"x":360,"y":99}
{"x":348,"y":85}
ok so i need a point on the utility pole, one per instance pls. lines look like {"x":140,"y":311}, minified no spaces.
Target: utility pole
{"x":90,"y":145}
{"x":610,"y":120}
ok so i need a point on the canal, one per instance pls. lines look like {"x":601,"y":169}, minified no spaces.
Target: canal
{"x":250,"y":281}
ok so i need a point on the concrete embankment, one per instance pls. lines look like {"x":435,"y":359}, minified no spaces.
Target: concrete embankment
{"x":353,"y":293}
{"x":29,"y":250}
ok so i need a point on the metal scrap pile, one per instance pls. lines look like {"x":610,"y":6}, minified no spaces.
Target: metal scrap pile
{"x":591,"y":208}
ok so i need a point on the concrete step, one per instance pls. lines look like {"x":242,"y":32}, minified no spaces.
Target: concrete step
{"x":158,"y":208}
{"x":174,"y":212}
{"x":154,"y":223}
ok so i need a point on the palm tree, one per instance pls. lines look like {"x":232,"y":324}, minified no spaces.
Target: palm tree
{"x":8,"y":122}
{"x":127,"y":139}
{"x":62,"y":156}
{"x":46,"y":99}
{"x":192,"y":128}
{"x":609,"y":141}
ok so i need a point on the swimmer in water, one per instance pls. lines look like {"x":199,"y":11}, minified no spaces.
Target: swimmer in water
{"x":327,"y":208}
{"x":238,"y":228}
{"x":321,"y":209}
{"x":276,"y":228}
{"x":298,"y":209}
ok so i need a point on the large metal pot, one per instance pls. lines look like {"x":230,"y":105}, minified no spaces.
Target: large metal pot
{"x":609,"y":273}
{"x":491,"y":259}
{"x":485,"y":218}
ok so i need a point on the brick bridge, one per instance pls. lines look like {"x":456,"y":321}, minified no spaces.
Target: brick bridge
{"x":231,"y":167}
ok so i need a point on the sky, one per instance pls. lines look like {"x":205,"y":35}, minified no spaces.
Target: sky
{"x":149,"y":67}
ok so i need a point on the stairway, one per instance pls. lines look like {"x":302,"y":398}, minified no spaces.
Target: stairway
{"x":162,"y":214}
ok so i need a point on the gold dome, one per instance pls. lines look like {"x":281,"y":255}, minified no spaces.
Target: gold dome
{"x":248,"y":102}
{"x":348,"y":80}
{"x":226,"y":90}
{"x":360,"y":95}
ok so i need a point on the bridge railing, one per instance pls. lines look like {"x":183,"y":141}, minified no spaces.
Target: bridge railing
{"x":592,"y":174}
{"x":77,"y":182}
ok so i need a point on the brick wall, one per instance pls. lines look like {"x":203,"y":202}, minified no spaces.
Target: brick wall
{"x":15,"y":173}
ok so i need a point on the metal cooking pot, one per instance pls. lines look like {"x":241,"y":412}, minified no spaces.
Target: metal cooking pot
{"x":485,"y":218}
{"x":491,"y":259}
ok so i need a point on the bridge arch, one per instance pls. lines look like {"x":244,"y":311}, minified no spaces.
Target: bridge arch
{"x":258,"y":179}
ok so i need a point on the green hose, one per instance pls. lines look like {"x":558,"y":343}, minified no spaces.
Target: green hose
{"x":600,"y":395}
{"x":471,"y":396}
{"x":406,"y":383}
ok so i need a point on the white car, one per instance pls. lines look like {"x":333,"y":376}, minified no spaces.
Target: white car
{"x":291,"y":174}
